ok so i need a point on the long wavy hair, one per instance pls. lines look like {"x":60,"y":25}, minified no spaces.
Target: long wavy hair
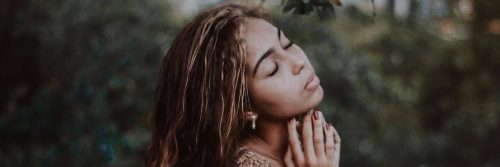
{"x":198,"y":114}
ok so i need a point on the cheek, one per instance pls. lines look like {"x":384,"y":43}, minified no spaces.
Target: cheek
{"x":278,"y":98}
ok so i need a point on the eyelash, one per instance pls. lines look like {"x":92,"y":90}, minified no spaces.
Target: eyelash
{"x":289,"y":45}
{"x":277,"y":66}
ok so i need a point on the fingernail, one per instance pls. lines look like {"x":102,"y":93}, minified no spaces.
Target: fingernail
{"x":316,"y":115}
{"x":328,"y":126}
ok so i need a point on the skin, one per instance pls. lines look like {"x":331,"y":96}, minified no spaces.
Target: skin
{"x":287,"y":83}
{"x":278,"y":98}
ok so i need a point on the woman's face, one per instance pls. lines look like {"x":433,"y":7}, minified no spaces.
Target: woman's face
{"x":281,"y":81}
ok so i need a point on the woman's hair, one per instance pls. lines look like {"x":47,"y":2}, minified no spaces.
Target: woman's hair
{"x":201,"y":95}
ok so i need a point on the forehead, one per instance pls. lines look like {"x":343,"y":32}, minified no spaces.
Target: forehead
{"x":258,"y":28}
{"x":260,"y":35}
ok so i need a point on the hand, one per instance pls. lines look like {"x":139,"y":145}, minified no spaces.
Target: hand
{"x":321,"y":143}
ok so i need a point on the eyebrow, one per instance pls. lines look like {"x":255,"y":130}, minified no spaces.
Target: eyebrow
{"x":266,"y":54}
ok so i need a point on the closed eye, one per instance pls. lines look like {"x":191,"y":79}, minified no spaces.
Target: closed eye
{"x":275,"y":69}
{"x":289,"y":45}
{"x":276,"y":63}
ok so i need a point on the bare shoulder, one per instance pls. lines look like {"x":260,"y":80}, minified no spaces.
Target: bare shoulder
{"x":249,"y":158}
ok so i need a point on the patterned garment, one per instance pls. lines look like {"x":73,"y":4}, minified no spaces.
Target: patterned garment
{"x":250,"y":158}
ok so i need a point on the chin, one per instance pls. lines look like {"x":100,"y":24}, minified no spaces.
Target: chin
{"x":294,"y":110}
{"x":313,"y":100}
{"x":316,"y":97}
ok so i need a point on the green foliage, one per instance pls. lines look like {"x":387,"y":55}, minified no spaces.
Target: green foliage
{"x":323,"y":8}
{"x":96,"y":62}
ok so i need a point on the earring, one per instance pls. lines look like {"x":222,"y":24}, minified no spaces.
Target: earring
{"x":253,"y":118}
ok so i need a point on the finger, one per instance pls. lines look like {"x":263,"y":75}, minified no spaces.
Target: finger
{"x":294,"y":142}
{"x":299,"y":129}
{"x":318,"y":139}
{"x":307,"y":137}
{"x":336,"y":140}
{"x":288,"y":159}
{"x":329,"y":143}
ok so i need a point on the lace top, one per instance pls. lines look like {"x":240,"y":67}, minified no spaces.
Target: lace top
{"x":250,"y":158}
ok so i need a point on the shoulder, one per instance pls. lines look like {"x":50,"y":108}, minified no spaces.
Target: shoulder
{"x":248,"y":157}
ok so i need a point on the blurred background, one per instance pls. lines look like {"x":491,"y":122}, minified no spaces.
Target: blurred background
{"x":407,"y":82}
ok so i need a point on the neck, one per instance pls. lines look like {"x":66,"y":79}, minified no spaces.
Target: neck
{"x":270,"y":138}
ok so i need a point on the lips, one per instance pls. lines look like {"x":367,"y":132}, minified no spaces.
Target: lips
{"x":312,"y":82}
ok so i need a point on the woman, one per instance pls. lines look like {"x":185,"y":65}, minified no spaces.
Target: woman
{"x":229,"y":89}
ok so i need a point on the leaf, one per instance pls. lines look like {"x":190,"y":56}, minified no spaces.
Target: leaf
{"x":336,"y":2}
{"x":329,"y":7}
{"x":288,"y":7}
{"x":298,"y":10}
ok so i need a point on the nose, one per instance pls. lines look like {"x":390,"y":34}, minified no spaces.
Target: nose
{"x":297,"y":64}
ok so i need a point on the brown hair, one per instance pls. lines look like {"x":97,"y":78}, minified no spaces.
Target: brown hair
{"x":201,"y":95}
